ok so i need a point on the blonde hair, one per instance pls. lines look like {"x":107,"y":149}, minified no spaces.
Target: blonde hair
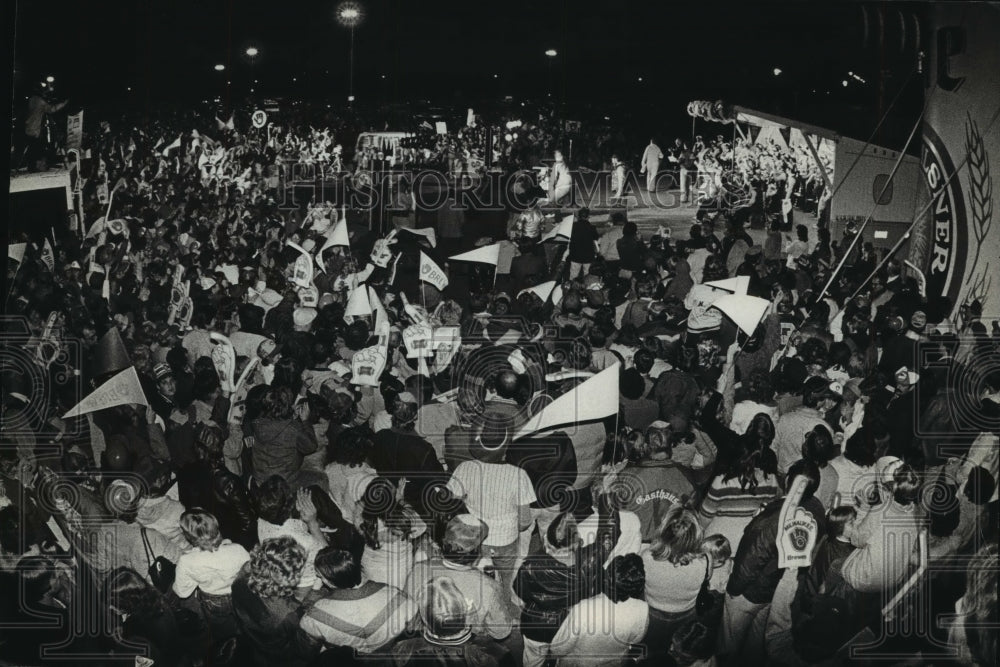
{"x":201,"y":529}
{"x":717,"y":548}
{"x":443,"y":609}
{"x":679,"y":537}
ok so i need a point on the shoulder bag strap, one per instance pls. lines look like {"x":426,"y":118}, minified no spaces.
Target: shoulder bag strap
{"x":150,"y":556}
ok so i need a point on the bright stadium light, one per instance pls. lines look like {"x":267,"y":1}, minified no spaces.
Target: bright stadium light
{"x":349,"y":14}
{"x":252,"y":51}
{"x":777,"y":71}
{"x":552,"y":53}
{"x":844,"y":83}
{"x":50,"y":78}
{"x":220,"y":67}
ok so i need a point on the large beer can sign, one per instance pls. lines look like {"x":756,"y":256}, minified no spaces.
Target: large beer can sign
{"x":957,"y":242}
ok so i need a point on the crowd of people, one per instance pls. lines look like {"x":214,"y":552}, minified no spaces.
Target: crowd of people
{"x":334,"y":452}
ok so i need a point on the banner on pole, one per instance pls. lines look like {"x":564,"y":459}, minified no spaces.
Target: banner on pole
{"x":74,"y":131}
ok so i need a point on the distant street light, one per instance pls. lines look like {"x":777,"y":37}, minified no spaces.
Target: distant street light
{"x":50,"y":79}
{"x":350,"y":14}
{"x":220,"y":67}
{"x":844,"y":83}
{"x":777,"y":71}
{"x":252,"y":51}
{"x":551,"y":53}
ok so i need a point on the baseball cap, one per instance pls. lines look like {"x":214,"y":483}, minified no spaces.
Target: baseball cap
{"x":161,"y":371}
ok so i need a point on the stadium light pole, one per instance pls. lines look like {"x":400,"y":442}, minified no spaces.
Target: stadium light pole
{"x":551,"y":53}
{"x":251,"y":53}
{"x":350,"y":14}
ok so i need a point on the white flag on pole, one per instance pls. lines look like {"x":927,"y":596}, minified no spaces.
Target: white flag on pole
{"x":564,"y":230}
{"x":15,"y":251}
{"x":594,"y":399}
{"x":431,"y":272}
{"x":544,"y":291}
{"x":48,"y":256}
{"x":122,"y":389}
{"x":489,"y":254}
{"x":174,"y":145}
{"x":358,"y":303}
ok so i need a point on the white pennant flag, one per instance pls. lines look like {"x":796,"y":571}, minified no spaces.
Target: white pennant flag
{"x":745,"y":311}
{"x":336,"y":235}
{"x":15,"y":251}
{"x":564,"y":230}
{"x":122,"y":389}
{"x":48,"y":256}
{"x":358,"y":303}
{"x":173,"y":146}
{"x":544,"y":291}
{"x":489,"y":254}
{"x":594,"y":399}
{"x":432,"y":273}
{"x":737,"y":285}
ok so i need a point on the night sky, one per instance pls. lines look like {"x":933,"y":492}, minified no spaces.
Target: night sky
{"x":457,"y":53}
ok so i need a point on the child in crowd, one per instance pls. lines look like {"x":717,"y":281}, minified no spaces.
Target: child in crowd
{"x":836,"y":544}
{"x":720,"y":555}
{"x":209,"y":568}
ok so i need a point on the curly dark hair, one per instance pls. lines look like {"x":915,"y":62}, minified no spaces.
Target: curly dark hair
{"x":351,"y":447}
{"x":628,"y":578}
{"x":275,"y":567}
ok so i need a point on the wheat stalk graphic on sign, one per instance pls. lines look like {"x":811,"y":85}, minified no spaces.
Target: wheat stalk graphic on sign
{"x":980,"y":200}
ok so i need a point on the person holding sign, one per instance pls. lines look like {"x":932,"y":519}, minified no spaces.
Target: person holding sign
{"x":757,"y":567}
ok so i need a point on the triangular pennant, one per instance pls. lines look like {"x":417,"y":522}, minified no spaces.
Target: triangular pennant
{"x":544,"y":291}
{"x":562,"y":231}
{"x":110,"y":354}
{"x":432,"y":273}
{"x":489,"y":254}
{"x":358,"y":303}
{"x":173,"y":146}
{"x":594,"y":399}
{"x":48,"y":256}
{"x":745,"y":311}
{"x":15,"y":251}
{"x":737,"y":285}
{"x":336,"y":235}
{"x":245,"y":343}
{"x":122,"y":389}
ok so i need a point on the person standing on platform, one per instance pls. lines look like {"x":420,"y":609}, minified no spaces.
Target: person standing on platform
{"x":651,"y":164}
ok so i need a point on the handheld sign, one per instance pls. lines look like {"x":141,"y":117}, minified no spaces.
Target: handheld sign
{"x":259,"y":118}
{"x":797,"y":529}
